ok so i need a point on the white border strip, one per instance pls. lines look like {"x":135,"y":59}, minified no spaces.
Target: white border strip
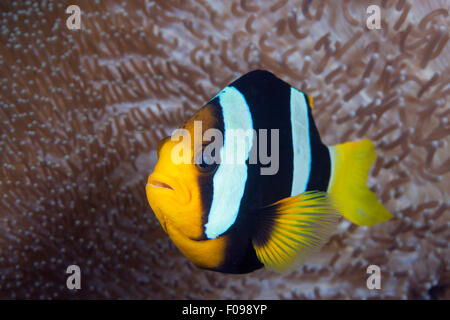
{"x":230,"y":178}
{"x":301,"y":142}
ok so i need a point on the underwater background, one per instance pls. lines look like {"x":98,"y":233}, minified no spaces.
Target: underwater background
{"x":82,"y":112}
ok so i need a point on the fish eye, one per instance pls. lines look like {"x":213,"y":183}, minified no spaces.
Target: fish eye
{"x":205,"y":163}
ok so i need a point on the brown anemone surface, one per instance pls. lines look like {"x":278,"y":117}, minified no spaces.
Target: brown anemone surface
{"x":82,"y":112}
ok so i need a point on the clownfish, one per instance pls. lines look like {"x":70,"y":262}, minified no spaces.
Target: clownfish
{"x":232,"y":218}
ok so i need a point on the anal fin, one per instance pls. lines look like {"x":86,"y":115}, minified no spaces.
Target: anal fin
{"x":290,"y":230}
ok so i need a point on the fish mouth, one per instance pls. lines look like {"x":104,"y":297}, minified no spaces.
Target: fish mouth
{"x":169,"y":186}
{"x":158,"y":184}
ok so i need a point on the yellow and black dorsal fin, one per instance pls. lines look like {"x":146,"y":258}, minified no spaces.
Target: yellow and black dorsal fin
{"x":290,"y":230}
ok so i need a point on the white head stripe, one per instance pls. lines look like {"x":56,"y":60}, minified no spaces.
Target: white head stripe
{"x":301,"y":143}
{"x":231,"y":176}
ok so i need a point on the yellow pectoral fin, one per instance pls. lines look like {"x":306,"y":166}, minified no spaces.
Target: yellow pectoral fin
{"x":292,"y":229}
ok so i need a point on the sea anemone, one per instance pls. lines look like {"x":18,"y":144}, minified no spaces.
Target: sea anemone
{"x":82,"y":112}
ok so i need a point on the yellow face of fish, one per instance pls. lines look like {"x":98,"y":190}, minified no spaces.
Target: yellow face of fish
{"x":178,"y":192}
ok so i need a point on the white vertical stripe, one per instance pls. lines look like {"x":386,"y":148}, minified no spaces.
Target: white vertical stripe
{"x":332,"y":155}
{"x":230,"y":178}
{"x":301,"y":142}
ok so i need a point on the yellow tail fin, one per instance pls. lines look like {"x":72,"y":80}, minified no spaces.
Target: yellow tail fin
{"x":351,"y":163}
